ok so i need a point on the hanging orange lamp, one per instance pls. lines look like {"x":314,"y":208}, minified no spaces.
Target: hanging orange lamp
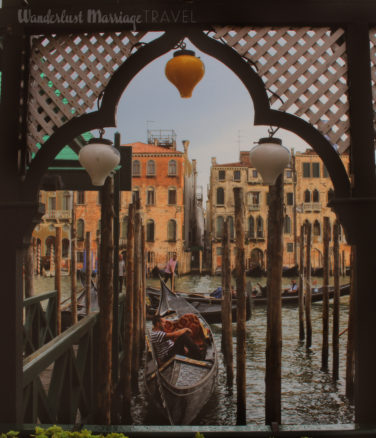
{"x":185,"y":71}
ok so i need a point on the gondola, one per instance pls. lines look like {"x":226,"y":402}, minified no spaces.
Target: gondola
{"x":292,"y":298}
{"x":292,"y":271}
{"x":256,"y":272}
{"x":181,"y":386}
{"x":210,"y":308}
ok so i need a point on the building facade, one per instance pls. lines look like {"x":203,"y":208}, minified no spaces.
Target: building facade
{"x":307,"y":189}
{"x":164,"y":179}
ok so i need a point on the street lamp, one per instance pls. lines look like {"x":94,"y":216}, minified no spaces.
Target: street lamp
{"x":269,"y":157}
{"x":185,"y":71}
{"x":99,"y":158}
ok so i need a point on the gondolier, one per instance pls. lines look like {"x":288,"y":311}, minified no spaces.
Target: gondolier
{"x":168,"y":344}
{"x":170,"y":269}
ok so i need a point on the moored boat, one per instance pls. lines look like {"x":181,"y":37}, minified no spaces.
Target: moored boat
{"x":181,"y":386}
{"x":292,"y":298}
{"x":209,"y":307}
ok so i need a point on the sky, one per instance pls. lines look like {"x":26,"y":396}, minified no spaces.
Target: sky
{"x":217,"y":119}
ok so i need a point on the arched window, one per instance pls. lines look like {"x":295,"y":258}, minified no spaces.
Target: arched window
{"x":260,"y":227}
{"x":80,"y":229}
{"x":150,"y":168}
{"x":135,"y":194}
{"x":171,"y":230}
{"x":66,"y":201}
{"x":251,"y":227}
{"x":287,"y":225}
{"x":171,"y":196}
{"x":51,"y":203}
{"x":172,"y":168}
{"x":150,"y":196}
{"x":65,"y":248}
{"x":307,"y":196}
{"x":220,"y":196}
{"x":316,"y":228}
{"x":124,"y":227}
{"x":316,"y":196}
{"x":80,"y":197}
{"x":150,"y":230}
{"x":231,"y":222}
{"x":50,"y":245}
{"x":219,"y":227}
{"x":136,"y":168}
{"x":330,"y":195}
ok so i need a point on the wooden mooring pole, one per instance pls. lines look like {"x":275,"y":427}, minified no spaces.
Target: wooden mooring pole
{"x":88,"y":271}
{"x":73,"y":269}
{"x":350,"y":359}
{"x":227,"y":346}
{"x":325,"y":301}
{"x":308,"y":290}
{"x":241,"y":307}
{"x":128,"y":327}
{"x":58,"y":276}
{"x":301,"y":284}
{"x":29,"y":269}
{"x":136,"y":295}
{"x":336,"y":273}
{"x":274,"y":305}
{"x":105,"y":299}
{"x":143,"y":290}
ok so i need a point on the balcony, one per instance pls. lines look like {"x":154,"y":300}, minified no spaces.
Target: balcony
{"x":311,"y":206}
{"x":254,"y":207}
{"x":58,"y":215}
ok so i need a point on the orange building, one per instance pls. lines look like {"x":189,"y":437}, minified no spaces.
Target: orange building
{"x":164,"y":179}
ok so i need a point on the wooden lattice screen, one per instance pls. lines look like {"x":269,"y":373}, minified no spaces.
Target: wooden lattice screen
{"x":304,"y":71}
{"x":68,"y":74}
{"x":372,"y":37}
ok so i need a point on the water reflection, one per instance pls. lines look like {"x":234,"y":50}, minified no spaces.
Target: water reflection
{"x":308,"y":394}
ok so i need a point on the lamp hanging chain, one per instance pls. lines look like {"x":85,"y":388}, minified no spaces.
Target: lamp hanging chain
{"x":180,"y":45}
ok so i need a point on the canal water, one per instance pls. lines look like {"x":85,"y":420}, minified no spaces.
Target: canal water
{"x":308,"y":395}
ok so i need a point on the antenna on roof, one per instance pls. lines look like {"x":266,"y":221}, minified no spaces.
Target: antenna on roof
{"x":148,"y":128}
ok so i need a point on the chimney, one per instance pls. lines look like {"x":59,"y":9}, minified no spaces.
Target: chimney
{"x":213,"y":161}
{"x":185,"y":145}
{"x":194,"y":165}
{"x":244,"y":157}
{"x":155,"y":142}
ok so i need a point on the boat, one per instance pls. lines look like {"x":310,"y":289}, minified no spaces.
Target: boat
{"x":181,"y":386}
{"x":256,"y":271}
{"x":293,"y":298}
{"x":209,"y":307}
{"x":292,"y":271}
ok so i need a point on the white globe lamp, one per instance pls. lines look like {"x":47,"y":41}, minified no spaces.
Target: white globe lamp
{"x":269,"y":157}
{"x":99,"y":158}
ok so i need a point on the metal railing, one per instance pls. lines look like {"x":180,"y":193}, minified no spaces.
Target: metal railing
{"x":39,"y":321}
{"x":311,"y":206}
{"x":58,"y":379}
{"x":253,"y":207}
{"x":58,"y":214}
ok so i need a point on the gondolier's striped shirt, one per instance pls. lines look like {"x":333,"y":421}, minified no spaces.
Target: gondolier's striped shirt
{"x":161,"y":344}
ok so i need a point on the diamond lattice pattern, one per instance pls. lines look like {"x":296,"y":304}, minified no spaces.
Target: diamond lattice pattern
{"x":68,"y":74}
{"x":372,"y":37}
{"x":304,"y":71}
